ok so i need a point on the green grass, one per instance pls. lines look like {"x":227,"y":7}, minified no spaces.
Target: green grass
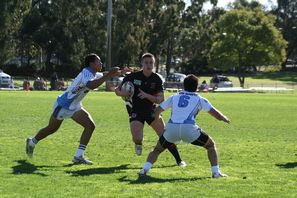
{"x":258,"y":150}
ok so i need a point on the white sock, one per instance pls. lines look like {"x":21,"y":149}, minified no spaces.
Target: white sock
{"x":33,"y":141}
{"x":215,"y":169}
{"x":147,"y":166}
{"x":80,"y":151}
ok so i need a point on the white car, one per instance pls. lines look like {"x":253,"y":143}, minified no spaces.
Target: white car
{"x":5,"y":80}
{"x":220,"y":81}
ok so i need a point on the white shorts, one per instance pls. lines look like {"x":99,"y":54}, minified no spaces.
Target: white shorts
{"x":188,"y":133}
{"x":61,"y":113}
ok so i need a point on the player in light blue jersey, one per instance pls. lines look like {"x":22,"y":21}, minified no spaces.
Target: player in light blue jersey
{"x":68,"y":105}
{"x":185,"y":106}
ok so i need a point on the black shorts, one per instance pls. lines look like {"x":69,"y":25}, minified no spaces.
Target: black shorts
{"x":141,"y":116}
{"x":200,"y":141}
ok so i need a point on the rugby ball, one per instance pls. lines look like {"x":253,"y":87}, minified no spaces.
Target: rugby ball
{"x":129,"y":87}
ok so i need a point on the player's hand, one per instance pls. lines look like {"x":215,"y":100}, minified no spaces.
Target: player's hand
{"x":115,"y":71}
{"x":142,"y":94}
{"x":126,"y":70}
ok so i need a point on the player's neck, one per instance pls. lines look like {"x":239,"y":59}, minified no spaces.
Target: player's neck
{"x":147,"y":74}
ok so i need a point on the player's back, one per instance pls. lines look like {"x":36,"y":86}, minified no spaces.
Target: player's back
{"x":186,"y":105}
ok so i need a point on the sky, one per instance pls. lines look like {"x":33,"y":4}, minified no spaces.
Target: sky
{"x":224,"y":3}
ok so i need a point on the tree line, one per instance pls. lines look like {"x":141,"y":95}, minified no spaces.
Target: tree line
{"x":52,"y":35}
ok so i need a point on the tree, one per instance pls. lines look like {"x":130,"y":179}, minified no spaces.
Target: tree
{"x":11,"y":17}
{"x":247,"y":38}
{"x":196,"y":38}
{"x":286,"y":21}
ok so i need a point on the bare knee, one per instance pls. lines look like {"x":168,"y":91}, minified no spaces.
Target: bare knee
{"x":90,"y":127}
{"x":210,"y":144}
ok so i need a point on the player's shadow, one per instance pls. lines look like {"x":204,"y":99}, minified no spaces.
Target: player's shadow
{"x":288,"y":165}
{"x":25,"y":167}
{"x":101,"y":170}
{"x":149,"y":179}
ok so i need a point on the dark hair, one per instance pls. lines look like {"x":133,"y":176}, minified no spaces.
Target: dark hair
{"x":191,"y":83}
{"x":90,"y":58}
{"x":145,"y":55}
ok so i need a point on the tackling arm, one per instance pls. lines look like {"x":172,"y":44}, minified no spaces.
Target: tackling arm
{"x":158,"y":111}
{"x":112,"y":73}
{"x":218,"y":115}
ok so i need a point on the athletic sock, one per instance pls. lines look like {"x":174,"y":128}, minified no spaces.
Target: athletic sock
{"x":147,"y":166}
{"x":173,"y":150}
{"x":215,"y":169}
{"x":33,"y":141}
{"x":80,"y":150}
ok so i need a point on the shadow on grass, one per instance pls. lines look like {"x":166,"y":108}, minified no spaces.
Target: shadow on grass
{"x":288,"y":165}
{"x":103,"y":170}
{"x":148,"y":179}
{"x":25,"y":167}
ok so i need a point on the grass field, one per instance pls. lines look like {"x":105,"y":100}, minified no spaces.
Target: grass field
{"x":258,"y":150}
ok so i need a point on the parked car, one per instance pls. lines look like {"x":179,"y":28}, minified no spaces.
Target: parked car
{"x":174,"y":80}
{"x":218,"y":81}
{"x":176,"y":77}
{"x":5,"y":80}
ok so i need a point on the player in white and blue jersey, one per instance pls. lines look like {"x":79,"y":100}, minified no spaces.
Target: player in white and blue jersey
{"x":185,"y":107}
{"x":68,"y":105}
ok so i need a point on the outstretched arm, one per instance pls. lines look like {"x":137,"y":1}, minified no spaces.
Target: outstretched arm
{"x":112,"y":73}
{"x":218,"y":115}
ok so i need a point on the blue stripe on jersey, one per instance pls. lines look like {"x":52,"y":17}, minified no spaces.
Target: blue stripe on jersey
{"x":192,"y":115}
{"x":64,"y":102}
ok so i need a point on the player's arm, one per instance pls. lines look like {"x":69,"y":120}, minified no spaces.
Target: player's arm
{"x":158,"y":111}
{"x":158,"y":98}
{"x":218,"y":115}
{"x":122,"y":92}
{"x":93,"y":84}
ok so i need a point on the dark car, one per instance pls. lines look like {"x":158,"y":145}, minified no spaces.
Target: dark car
{"x":174,"y":80}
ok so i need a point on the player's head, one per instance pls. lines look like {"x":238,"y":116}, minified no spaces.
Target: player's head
{"x":191,"y":83}
{"x":147,"y":62}
{"x":93,"y":60}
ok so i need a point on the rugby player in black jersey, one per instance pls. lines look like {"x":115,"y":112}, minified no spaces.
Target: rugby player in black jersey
{"x":148,"y":91}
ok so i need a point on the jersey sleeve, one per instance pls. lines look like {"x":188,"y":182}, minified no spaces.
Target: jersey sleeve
{"x":206,"y":105}
{"x":87,"y":76}
{"x":167,"y":103}
{"x":160,"y":85}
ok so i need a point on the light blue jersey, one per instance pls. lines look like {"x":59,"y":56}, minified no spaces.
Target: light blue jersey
{"x":185,"y":107}
{"x":72,"y":97}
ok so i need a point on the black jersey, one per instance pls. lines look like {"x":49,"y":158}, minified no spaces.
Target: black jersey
{"x":151,"y":85}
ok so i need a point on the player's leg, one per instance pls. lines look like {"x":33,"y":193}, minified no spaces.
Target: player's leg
{"x":83,"y":118}
{"x":136,"y":128}
{"x":162,"y":144}
{"x":158,"y":126}
{"x":53,"y":125}
{"x":207,"y":142}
